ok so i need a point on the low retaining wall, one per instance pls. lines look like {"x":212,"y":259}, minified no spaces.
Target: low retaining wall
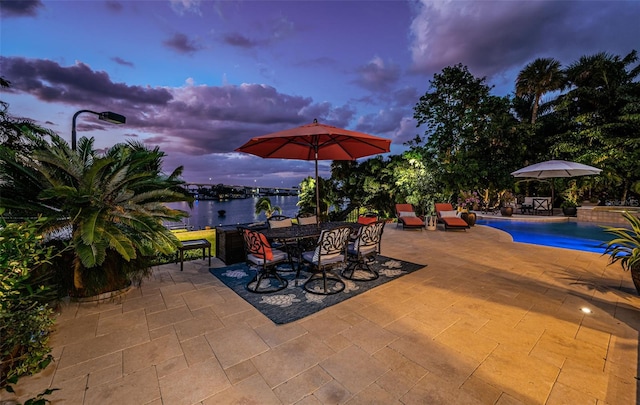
{"x":605,"y":214}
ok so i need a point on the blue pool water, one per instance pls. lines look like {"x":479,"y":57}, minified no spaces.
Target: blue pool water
{"x":569,"y":235}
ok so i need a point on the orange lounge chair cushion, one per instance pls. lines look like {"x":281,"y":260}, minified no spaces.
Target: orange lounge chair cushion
{"x":455,"y":222}
{"x":412,"y":221}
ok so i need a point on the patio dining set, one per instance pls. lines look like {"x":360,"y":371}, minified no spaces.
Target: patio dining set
{"x":317,"y":247}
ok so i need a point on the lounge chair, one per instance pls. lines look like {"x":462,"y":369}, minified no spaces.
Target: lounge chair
{"x":407,"y":216}
{"x":449,"y":217}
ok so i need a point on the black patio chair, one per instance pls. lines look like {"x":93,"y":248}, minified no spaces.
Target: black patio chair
{"x":260,"y":253}
{"x":330,"y":252}
{"x":363,"y":250}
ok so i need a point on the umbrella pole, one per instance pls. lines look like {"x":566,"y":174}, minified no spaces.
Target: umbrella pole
{"x":553,"y":196}
{"x":317,"y":192}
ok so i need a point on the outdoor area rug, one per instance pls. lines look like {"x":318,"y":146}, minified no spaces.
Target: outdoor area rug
{"x":293,"y":302}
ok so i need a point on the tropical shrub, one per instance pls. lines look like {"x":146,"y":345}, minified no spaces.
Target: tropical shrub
{"x":264,"y":204}
{"x":26,"y":317}
{"x":625,"y":247}
{"x":109,"y":206}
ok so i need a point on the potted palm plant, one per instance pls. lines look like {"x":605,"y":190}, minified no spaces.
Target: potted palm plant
{"x":570,"y":203}
{"x":625,"y":247}
{"x":507,"y":202}
{"x":264,"y":204}
{"x":569,"y":207}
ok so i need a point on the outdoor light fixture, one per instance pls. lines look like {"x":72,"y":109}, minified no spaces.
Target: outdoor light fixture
{"x":108,"y":116}
{"x":586,"y":310}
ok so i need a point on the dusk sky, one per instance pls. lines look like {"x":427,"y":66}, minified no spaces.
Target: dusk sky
{"x":198,"y":78}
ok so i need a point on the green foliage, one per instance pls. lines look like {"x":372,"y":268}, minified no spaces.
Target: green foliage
{"x":264,"y":204}
{"x":506,"y":198}
{"x":307,"y":196}
{"x":571,"y":195}
{"x":111,"y":206}
{"x":26,"y":318}
{"x":471,"y":139}
{"x":415,"y":184}
{"x":597,"y":121}
{"x":625,"y":247}
{"x":539,"y":77}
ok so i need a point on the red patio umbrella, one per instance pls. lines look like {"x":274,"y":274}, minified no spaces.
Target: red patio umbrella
{"x":316,"y":141}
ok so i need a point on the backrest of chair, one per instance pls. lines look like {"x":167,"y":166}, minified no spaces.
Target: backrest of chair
{"x":528,"y":201}
{"x":279,"y":221}
{"x":255,"y":243}
{"x":404,"y":208}
{"x":365,"y":220}
{"x":442,"y":207}
{"x":307,"y":220}
{"x":542,"y":203}
{"x":332,"y":243}
{"x":370,"y":235}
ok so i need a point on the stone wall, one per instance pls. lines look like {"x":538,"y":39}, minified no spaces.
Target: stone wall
{"x":606,"y":214}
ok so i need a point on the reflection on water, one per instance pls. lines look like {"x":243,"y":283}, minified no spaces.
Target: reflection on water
{"x":240,"y":211}
{"x":569,"y":235}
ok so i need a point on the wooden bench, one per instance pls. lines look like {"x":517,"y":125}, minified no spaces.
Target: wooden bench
{"x":194,"y":244}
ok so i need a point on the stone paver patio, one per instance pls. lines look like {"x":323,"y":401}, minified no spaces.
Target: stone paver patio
{"x":488,"y":321}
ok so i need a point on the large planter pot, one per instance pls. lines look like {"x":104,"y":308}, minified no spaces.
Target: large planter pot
{"x":506,"y":211}
{"x":569,"y":211}
{"x":105,"y":296}
{"x":471,"y":219}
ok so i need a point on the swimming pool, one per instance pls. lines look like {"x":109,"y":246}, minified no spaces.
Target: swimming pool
{"x":584,"y":236}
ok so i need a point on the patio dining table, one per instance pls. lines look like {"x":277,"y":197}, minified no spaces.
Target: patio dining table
{"x":300,"y":237}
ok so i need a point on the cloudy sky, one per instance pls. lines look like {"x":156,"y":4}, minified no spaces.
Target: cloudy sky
{"x":199,"y":78}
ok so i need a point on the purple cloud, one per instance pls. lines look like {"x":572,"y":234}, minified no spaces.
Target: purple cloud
{"x":182,"y":44}
{"x":20,"y":8}
{"x":192,"y":120}
{"x":377,"y":77}
{"x":114,"y":6}
{"x":74,"y":85}
{"x":121,"y":61}
{"x":239,"y":40}
{"x":492,"y":38}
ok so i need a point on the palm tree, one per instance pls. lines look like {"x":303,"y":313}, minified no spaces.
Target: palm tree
{"x":113,"y":206}
{"x":264,"y":204}
{"x":541,"y":76}
{"x":602,"y":109}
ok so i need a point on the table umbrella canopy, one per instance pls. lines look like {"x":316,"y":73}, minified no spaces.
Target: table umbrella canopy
{"x":556,"y":168}
{"x":551,"y":169}
{"x":315,"y":142}
{"x":329,"y":142}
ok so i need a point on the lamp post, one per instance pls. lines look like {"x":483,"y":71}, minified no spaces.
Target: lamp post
{"x":108,"y":116}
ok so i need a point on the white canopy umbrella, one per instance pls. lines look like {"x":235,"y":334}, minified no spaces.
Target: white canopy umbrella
{"x":556,"y":168}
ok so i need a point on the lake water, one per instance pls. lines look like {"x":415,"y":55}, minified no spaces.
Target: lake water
{"x":237,"y":211}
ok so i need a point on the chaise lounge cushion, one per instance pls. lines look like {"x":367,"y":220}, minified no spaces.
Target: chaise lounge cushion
{"x":412,"y":221}
{"x":448,"y":216}
{"x":407,"y":216}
